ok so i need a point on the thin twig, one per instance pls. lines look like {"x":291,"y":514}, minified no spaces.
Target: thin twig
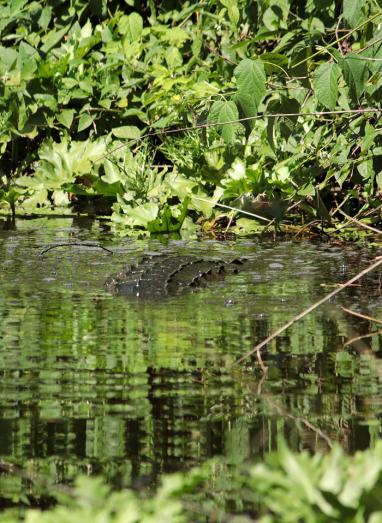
{"x":309,"y":310}
{"x":360,"y":224}
{"x":317,"y":53}
{"x":363,"y":316}
{"x":232,"y":208}
{"x":238,"y":120}
{"x":358,"y":338}
{"x":338,"y":38}
{"x":299,"y":419}
{"x":263,"y":367}
{"x":75,"y":244}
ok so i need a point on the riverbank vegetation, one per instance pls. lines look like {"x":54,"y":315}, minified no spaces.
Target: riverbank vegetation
{"x":156,"y":115}
{"x":286,"y":487}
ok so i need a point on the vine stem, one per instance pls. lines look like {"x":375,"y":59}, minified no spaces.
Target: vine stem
{"x":239,"y":120}
{"x":338,"y":40}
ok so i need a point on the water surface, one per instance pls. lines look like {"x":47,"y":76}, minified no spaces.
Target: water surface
{"x":132,"y":388}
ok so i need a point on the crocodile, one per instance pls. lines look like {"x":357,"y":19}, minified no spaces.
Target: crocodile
{"x":168,"y":275}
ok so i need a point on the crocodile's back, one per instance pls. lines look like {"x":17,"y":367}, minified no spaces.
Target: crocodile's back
{"x":169,"y":275}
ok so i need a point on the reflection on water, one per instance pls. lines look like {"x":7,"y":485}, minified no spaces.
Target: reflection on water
{"x":131,"y":388}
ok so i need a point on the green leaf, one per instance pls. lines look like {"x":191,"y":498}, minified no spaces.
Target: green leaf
{"x":366,"y":169}
{"x":143,"y":214}
{"x":276,"y":15}
{"x":232,"y":10}
{"x":130,"y":132}
{"x":251,"y":86}
{"x":325,"y":83}
{"x":274,"y":62}
{"x":65,"y":117}
{"x":355,"y":72}
{"x":352,"y":12}
{"x":131,"y":27}
{"x":53,"y":37}
{"x":222,"y":112}
{"x":84,"y":122}
{"x":175,"y":36}
{"x":112,"y":172}
{"x":167,"y":221}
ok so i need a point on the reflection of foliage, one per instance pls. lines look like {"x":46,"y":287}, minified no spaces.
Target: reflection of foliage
{"x":93,"y":382}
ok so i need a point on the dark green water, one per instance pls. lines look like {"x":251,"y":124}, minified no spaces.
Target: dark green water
{"x":100,"y":384}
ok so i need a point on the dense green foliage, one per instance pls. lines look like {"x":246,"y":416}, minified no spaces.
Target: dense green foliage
{"x":287,"y":487}
{"x":89,"y":91}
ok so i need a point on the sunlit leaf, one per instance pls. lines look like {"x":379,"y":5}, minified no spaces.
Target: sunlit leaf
{"x":325,"y":83}
{"x":250,"y":85}
{"x":84,"y":122}
{"x":65,"y":117}
{"x":227,"y":114}
{"x":130,"y":132}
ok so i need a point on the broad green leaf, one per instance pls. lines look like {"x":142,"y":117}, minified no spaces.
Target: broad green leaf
{"x":274,"y":62}
{"x":362,"y":475}
{"x":45,"y":17}
{"x":366,"y":169}
{"x":143,"y":214}
{"x":60,"y":198}
{"x":313,"y":26}
{"x":325,"y":83}
{"x":130,"y":132}
{"x":227,"y":114}
{"x":170,"y":219}
{"x":333,"y":473}
{"x":131,"y":27}
{"x":276,"y":15}
{"x":352,"y":12}
{"x":53,"y":37}
{"x":355,"y":73}
{"x":8,"y":57}
{"x":84,"y":122}
{"x":175,"y":36}
{"x":112,"y":172}
{"x":86,"y":30}
{"x":173,"y":57}
{"x":251,"y":86}
{"x":65,"y":117}
{"x":237,"y":170}
{"x":232,"y":10}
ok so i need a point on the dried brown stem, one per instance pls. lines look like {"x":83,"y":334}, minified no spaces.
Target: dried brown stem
{"x":307,"y":311}
{"x":363,"y":316}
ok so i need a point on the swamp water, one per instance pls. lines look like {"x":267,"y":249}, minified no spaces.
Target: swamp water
{"x":133,"y":388}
